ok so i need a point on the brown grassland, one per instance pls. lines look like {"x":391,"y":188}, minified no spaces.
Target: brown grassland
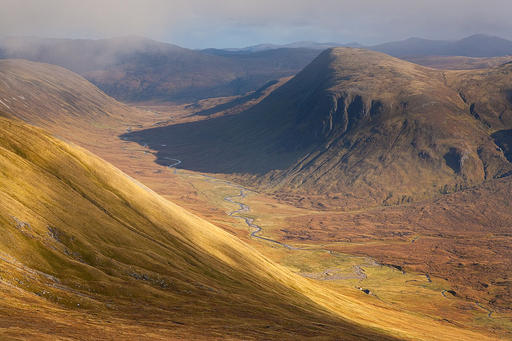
{"x":89,"y":252}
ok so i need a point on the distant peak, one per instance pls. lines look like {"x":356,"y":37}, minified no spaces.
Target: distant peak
{"x":481,"y":36}
{"x":415,"y":39}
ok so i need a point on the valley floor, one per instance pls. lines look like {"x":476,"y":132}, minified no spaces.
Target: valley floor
{"x":376,"y":255}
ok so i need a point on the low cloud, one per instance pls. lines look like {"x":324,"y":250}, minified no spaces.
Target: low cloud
{"x":205,"y":23}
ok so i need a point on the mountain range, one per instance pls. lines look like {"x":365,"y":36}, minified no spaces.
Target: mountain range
{"x":298,"y":44}
{"x":477,"y":45}
{"x":137,"y":69}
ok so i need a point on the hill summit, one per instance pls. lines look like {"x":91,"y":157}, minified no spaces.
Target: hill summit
{"x":360,"y":122}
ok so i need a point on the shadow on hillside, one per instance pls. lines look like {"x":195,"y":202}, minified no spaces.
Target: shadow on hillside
{"x":503,"y":139}
{"x":237,"y":101}
{"x":220,"y":145}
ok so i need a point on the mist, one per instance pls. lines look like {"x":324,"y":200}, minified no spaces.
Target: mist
{"x":231,"y":23}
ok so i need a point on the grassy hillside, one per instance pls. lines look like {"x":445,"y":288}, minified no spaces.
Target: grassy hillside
{"x":83,"y":242}
{"x":89,"y":253}
{"x":61,"y":97}
{"x":80,"y":234}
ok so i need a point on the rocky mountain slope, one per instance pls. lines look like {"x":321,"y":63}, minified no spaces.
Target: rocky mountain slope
{"x":362,"y":123}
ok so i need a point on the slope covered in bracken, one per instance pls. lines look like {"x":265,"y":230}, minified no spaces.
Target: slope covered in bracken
{"x":88,"y":247}
{"x":80,"y":235}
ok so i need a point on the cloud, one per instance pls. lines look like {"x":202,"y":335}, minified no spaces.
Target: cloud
{"x":202,"y":23}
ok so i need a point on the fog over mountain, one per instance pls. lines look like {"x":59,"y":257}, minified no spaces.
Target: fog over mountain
{"x":204,"y":24}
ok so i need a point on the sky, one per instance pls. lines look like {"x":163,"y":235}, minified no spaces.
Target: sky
{"x":240,"y":23}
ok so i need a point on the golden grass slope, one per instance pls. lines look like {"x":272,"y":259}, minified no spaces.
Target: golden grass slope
{"x":88,"y":253}
{"x":82,"y":235}
{"x":83,"y":246}
{"x":61,"y":97}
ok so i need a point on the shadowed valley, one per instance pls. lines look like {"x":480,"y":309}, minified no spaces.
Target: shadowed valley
{"x":361,"y":123}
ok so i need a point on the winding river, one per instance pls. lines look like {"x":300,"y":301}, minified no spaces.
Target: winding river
{"x":256,"y":230}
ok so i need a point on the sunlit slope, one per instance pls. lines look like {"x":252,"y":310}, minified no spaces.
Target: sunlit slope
{"x":88,"y":240}
{"x":124,"y":249}
{"x":51,"y":96}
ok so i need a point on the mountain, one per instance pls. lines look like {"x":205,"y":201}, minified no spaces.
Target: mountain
{"x":298,"y":44}
{"x":87,"y":252}
{"x":49,"y":95}
{"x":478,"y":45}
{"x":359,"y":123}
{"x":139,"y":69}
{"x":136,"y":69}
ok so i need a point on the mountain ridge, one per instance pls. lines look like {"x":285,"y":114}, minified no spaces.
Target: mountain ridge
{"x":477,"y":45}
{"x":138,"y":69}
{"x":141,"y":69}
